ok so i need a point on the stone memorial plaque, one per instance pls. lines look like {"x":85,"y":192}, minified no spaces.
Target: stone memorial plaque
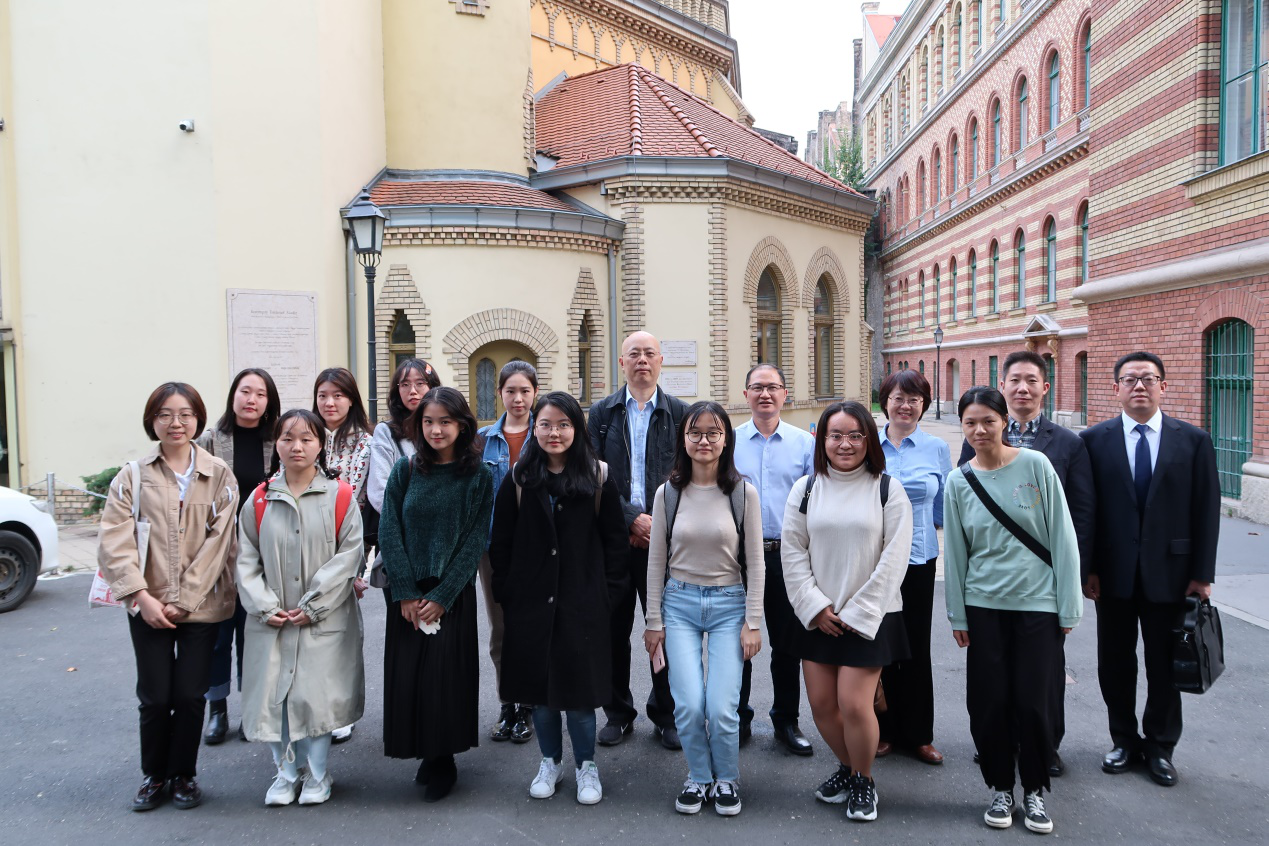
{"x":276,"y":331}
{"x":680,"y":383}
{"x":679,"y":353}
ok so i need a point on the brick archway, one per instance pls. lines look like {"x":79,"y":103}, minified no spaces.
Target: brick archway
{"x":825,"y":263}
{"x":500,"y":324}
{"x":770,"y":253}
{"x":399,"y":294}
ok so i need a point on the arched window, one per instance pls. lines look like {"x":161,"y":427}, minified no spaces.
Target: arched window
{"x":1050,"y":262}
{"x":583,"y":360}
{"x":959,"y":26}
{"x":921,"y":187}
{"x":979,"y":24}
{"x":952,"y":267}
{"x":1020,"y":258}
{"x":995,"y":279}
{"x":486,"y":394}
{"x":1055,"y":92}
{"x":921,"y":366}
{"x":822,"y":313}
{"x":995,"y":134}
{"x":973,"y":283}
{"x":937,"y":186}
{"x":400,"y":339}
{"x":938,"y":296}
{"x":921,"y":281}
{"x":973,"y":150}
{"x":1083,"y":219}
{"x":1023,"y":119}
{"x":768,"y":308}
{"x":1050,"y":376}
{"x":956,"y":163}
{"x":1086,"y":42}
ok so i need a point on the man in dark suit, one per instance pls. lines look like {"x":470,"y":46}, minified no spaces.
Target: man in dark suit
{"x":1024,"y":388}
{"x":1158,"y":519}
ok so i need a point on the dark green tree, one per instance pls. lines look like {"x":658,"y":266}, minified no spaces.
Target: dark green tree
{"x":846,"y":162}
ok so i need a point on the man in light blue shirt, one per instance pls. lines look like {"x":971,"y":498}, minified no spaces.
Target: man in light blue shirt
{"x":772,"y":455}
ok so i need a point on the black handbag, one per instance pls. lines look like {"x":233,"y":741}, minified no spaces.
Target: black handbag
{"x":1198,"y":656}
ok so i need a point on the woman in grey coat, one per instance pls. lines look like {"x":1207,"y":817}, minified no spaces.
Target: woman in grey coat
{"x":300,"y":550}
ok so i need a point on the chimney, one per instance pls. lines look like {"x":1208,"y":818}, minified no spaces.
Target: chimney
{"x":857,"y":45}
{"x":870,"y":8}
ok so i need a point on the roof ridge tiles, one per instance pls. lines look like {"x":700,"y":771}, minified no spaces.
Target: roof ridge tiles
{"x":695,"y":131}
{"x":636,"y":114}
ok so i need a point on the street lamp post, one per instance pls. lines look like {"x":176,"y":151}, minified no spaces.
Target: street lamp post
{"x":938,"y":368}
{"x":367,"y":222}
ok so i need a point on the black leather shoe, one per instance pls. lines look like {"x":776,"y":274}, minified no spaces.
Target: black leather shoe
{"x":1161,"y":771}
{"x":150,"y":796}
{"x":217,"y":723}
{"x":186,"y":793}
{"x":791,"y":738}
{"x":669,"y":736}
{"x":1117,"y":760}
{"x":1057,"y":766}
{"x":442,"y":775}
{"x":506,"y":722}
{"x":746,"y":730}
{"x":522,"y":729}
{"x":613,"y":733}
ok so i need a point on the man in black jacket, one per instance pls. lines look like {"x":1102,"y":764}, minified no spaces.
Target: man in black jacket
{"x":1158,"y":520}
{"x":1024,"y":388}
{"x":635,"y":431}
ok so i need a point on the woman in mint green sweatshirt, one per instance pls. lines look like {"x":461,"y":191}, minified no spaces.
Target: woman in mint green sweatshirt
{"x":1007,"y":605}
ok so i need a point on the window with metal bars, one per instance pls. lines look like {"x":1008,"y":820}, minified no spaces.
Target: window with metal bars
{"x":1228,"y":384}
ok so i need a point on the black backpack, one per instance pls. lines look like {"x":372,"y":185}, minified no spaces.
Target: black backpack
{"x":810,"y":483}
{"x":737,"y":497}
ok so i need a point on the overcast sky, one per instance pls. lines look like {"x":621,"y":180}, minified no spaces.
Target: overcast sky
{"x":796,"y":58}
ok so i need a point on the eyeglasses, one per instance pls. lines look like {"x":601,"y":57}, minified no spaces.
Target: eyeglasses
{"x":713,"y":436}
{"x":1130,"y":382}
{"x":546,"y":428}
{"x":855,"y":438}
{"x":766,"y":389}
{"x":419,"y":385}
{"x":905,"y":402}
{"x":165,"y":418}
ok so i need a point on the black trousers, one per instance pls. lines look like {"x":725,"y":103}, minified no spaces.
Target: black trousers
{"x":621,"y":708}
{"x":1117,"y":623}
{"x":1009,"y":670}
{"x":222,"y":664}
{"x":786,"y":682}
{"x":172,"y":670}
{"x":909,"y":685}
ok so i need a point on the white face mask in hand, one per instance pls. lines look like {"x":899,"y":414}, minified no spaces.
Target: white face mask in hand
{"x":430,"y":628}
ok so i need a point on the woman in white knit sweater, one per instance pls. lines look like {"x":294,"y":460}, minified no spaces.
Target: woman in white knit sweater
{"x":845,"y":542}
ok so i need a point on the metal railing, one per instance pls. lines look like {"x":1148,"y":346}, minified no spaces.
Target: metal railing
{"x":49,"y":488}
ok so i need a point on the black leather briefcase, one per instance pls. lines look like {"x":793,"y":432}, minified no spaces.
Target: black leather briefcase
{"x":1198,"y":656}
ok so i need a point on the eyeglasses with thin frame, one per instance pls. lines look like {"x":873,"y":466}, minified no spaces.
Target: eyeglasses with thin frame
{"x":766,"y":389}
{"x":546,"y":428}
{"x":1130,"y":382}
{"x":713,"y":436}
{"x":855,"y":438}
{"x":905,"y":402}
{"x":418,"y":385}
{"x":165,"y":418}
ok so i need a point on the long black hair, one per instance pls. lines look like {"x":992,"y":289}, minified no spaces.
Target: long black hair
{"x":581,"y":467}
{"x":315,"y":422}
{"x":398,"y":414}
{"x":874,"y":456}
{"x":467,"y":449}
{"x":356,"y":423}
{"x":272,"y":404}
{"x":987,"y":397}
{"x":728,"y":476}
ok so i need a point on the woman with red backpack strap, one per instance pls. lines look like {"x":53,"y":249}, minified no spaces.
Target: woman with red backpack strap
{"x":299,"y":552}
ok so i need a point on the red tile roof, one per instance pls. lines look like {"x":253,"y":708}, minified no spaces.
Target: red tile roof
{"x":882,"y":26}
{"x":463,"y":193}
{"x":628,"y":111}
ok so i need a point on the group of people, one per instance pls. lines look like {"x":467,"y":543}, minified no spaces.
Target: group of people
{"x":269,"y":527}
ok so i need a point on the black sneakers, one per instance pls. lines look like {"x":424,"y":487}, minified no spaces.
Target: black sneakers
{"x":1037,"y":818}
{"x":835,"y":789}
{"x":613,"y":733}
{"x":726,"y":798}
{"x":1000,"y":813}
{"x":862,"y":803}
{"x":692,"y":798}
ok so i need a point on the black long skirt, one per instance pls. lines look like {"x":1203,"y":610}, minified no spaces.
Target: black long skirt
{"x":431,"y":683}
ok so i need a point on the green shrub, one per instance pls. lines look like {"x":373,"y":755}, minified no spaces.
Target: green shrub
{"x":99,"y":484}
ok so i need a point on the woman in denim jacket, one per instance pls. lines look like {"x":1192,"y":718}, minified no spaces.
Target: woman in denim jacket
{"x":518,"y":389}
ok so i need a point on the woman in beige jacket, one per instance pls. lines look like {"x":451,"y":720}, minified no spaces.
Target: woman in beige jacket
{"x":181,"y":590}
{"x":299,"y":552}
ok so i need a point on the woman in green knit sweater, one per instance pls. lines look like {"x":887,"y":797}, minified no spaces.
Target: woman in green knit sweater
{"x":432,"y":532}
{"x":1008,"y":605}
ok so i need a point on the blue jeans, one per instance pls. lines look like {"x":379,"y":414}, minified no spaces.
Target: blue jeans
{"x":690,"y":612}
{"x":581,"y":731}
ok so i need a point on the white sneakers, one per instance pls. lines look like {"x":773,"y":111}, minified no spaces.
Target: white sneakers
{"x":281,"y":792}
{"x":550,"y":774}
{"x":589,"y":790}
{"x":316,"y":791}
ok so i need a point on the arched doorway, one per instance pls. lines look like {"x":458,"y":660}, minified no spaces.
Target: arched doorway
{"x":483,"y":367}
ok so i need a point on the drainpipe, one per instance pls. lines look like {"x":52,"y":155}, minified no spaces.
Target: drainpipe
{"x":350,"y":282}
{"x":613,"y":343}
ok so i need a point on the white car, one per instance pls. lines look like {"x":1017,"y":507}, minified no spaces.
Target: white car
{"x":28,"y":545}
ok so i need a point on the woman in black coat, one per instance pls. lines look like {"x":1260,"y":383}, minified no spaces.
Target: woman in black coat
{"x":558,"y":554}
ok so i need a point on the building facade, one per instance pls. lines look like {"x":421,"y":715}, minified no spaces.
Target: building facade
{"x":1179,"y":218}
{"x":594,"y":173}
{"x":975,"y":120}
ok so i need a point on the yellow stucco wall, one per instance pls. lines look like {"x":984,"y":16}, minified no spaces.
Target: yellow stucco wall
{"x":454,"y":85}
{"x":131,"y":230}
